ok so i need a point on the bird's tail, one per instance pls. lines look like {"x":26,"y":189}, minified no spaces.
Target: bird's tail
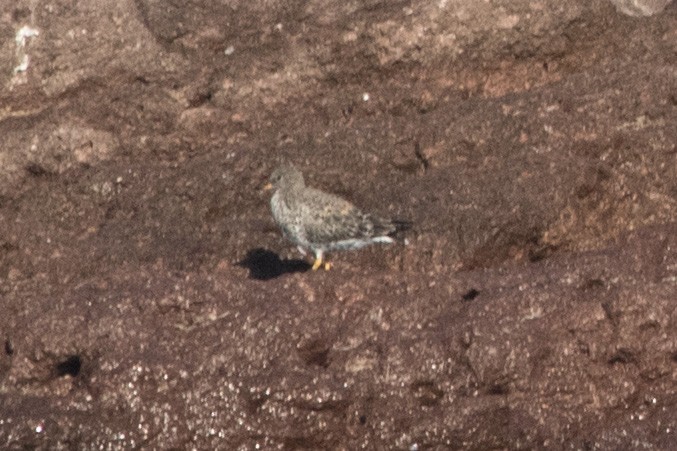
{"x":401,"y":225}
{"x":397,"y":226}
{"x":388,"y":227}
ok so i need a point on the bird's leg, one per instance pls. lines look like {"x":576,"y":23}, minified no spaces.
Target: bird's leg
{"x":319,"y":261}
{"x":324,"y":264}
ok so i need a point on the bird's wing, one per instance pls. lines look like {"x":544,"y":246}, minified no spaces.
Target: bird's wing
{"x":330,"y":218}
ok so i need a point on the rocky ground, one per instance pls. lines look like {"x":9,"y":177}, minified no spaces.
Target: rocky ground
{"x":148,"y":301}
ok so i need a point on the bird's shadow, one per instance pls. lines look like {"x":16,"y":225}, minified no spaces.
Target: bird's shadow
{"x":265,"y":265}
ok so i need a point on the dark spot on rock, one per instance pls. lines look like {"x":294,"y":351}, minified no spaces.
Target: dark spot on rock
{"x":36,"y":170}
{"x":622,"y":356}
{"x":591,"y":284}
{"x":673,"y":99}
{"x":265,"y":265}
{"x":499,"y":389}
{"x":584,"y":348}
{"x":427,"y":393}
{"x":71,"y":366}
{"x":540,"y":252}
{"x":612,"y":313}
{"x":6,"y":246}
{"x":9,"y":348}
{"x":200,"y":98}
{"x":470,"y":294}
{"x":421,"y":157}
{"x":649,"y":325}
{"x":404,"y":164}
{"x":256,"y":401}
{"x":363,"y":419}
{"x":315,"y":353}
{"x":20,"y":14}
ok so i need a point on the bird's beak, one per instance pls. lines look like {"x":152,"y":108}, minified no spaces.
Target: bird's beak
{"x":267,"y":187}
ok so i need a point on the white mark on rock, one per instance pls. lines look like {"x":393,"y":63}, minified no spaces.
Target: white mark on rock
{"x":21,"y":37}
{"x":23,"y":66}
{"x":24,"y":33}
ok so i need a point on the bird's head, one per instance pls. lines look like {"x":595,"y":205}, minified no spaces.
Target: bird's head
{"x":284,"y":177}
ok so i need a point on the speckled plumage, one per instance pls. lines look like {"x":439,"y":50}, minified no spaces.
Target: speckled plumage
{"x":322,"y":222}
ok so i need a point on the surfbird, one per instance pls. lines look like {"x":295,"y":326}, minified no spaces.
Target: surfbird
{"x":322,"y":222}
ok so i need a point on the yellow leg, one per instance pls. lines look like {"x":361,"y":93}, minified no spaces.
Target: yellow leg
{"x":321,"y":263}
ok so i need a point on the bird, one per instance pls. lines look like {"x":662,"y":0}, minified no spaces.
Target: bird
{"x":322,"y":222}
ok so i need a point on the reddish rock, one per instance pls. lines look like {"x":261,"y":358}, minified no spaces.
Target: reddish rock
{"x":149,"y":301}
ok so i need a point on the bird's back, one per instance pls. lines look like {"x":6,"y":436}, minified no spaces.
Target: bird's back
{"x":329,"y":219}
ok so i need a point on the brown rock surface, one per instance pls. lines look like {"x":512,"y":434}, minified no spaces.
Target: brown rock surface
{"x":148,"y":301}
{"x":639,"y":8}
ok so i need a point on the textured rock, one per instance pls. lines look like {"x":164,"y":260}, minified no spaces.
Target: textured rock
{"x":149,"y":301}
{"x":639,"y":8}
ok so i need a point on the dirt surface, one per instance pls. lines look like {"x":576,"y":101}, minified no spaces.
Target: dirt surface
{"x":148,"y":301}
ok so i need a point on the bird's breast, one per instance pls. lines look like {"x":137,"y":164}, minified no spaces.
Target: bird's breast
{"x":287,"y":218}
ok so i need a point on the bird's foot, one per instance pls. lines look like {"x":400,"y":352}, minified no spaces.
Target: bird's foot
{"x":319,"y":263}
